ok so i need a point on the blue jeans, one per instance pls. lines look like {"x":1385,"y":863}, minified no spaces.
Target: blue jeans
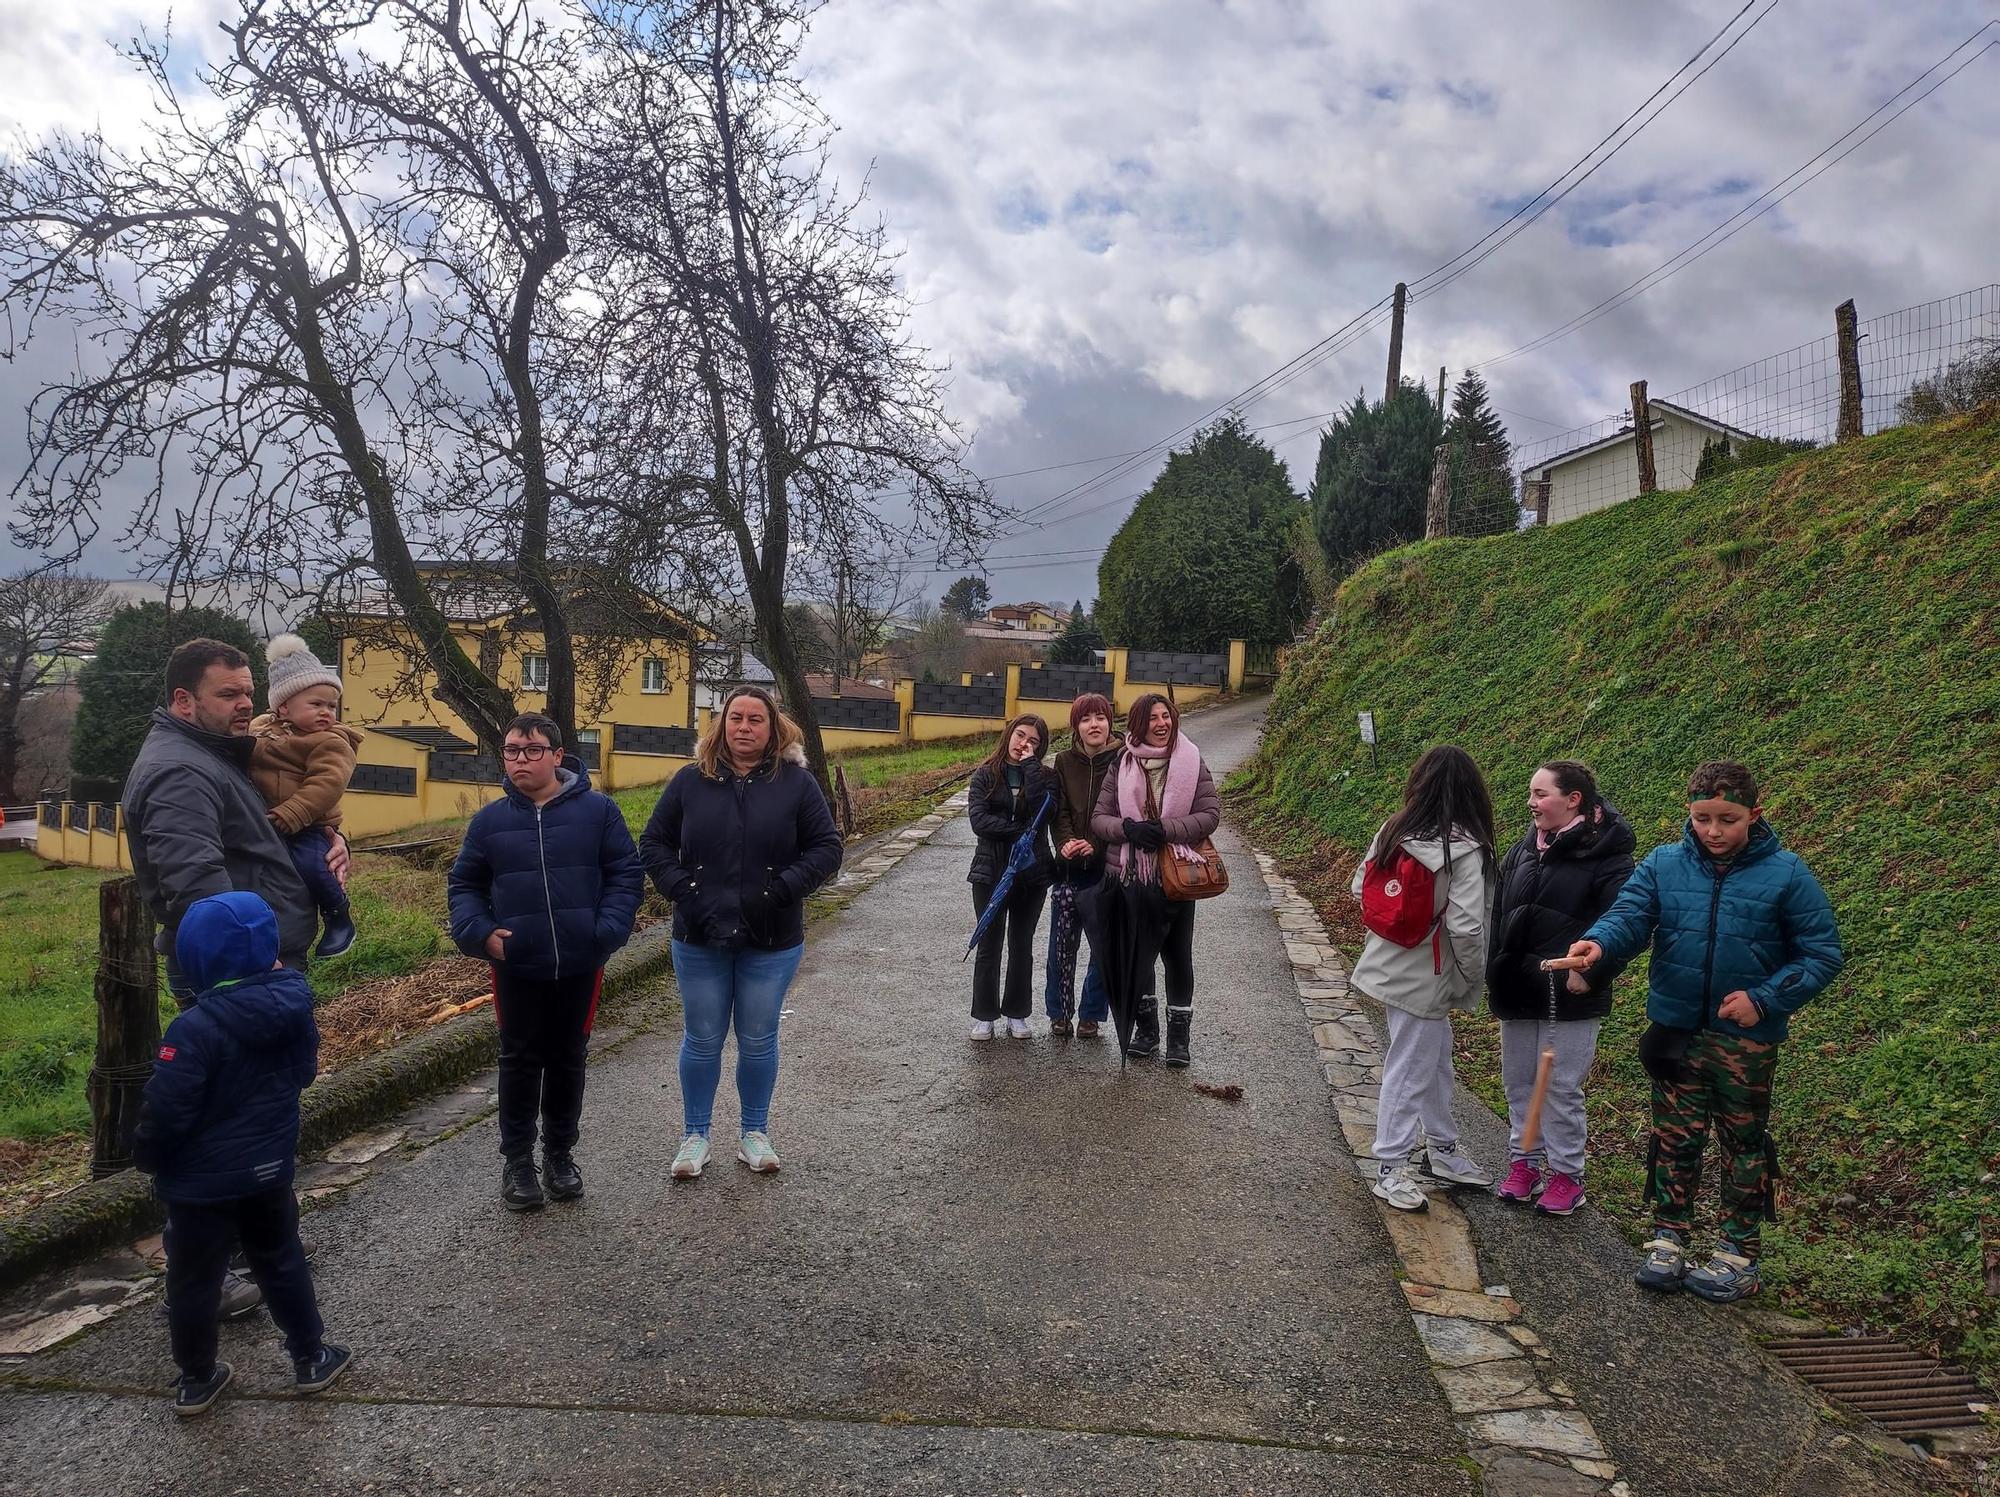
{"x":717,"y":984}
{"x":1065,"y":933}
{"x":308,"y":850}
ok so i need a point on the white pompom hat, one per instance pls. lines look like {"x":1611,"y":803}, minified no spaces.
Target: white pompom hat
{"x":294,"y":667}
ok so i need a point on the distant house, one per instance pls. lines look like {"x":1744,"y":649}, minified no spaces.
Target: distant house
{"x":1034,"y":618}
{"x":1600,"y":474}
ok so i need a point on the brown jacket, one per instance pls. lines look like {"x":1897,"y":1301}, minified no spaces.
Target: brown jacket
{"x":301,"y":775}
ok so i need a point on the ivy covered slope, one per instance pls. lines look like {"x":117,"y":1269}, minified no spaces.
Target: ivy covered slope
{"x":1834,"y":622}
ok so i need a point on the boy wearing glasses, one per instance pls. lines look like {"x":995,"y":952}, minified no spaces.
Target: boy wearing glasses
{"x":545,"y":888}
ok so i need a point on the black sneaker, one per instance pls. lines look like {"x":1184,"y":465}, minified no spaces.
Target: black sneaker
{"x":563,"y":1179}
{"x":337,"y":937}
{"x":518,"y":1186}
{"x":1664,"y":1270}
{"x":317,"y":1373}
{"x":193,"y":1395}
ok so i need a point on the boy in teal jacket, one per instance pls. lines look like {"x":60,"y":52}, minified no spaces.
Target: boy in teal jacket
{"x":1742,"y":936}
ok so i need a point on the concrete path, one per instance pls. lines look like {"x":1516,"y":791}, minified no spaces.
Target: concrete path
{"x":984,"y":1268}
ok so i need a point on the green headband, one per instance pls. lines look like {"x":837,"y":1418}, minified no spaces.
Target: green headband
{"x":1723,"y":794}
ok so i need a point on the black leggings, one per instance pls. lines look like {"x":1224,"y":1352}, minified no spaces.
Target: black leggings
{"x":1177,"y":953}
{"x":1015,"y":927}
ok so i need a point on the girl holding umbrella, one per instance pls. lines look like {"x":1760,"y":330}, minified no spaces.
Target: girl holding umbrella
{"x":1160,"y":802}
{"x":1010,"y":798}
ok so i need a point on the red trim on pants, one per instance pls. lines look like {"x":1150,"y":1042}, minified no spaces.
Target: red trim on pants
{"x":596,"y":992}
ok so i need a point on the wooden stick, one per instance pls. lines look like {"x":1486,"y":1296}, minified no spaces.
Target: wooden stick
{"x":453,"y":1010}
{"x":1531,"y":1126}
{"x":1566,"y":964}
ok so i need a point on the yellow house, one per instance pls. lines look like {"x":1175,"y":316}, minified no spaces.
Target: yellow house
{"x":634,"y":691}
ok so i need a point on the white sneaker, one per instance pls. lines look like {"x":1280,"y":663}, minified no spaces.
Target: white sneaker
{"x":756,"y":1151}
{"x":693,"y":1155}
{"x":1458,"y":1169}
{"x":982,"y":1029}
{"x":1397,"y":1185}
{"x":1017,"y":1029}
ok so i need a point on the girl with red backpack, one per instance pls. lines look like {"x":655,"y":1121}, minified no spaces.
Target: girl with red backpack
{"x":1426,"y":889}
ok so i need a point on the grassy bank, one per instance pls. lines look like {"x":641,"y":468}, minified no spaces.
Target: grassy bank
{"x":1834,"y":622}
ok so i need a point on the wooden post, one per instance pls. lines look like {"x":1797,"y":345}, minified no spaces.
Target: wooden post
{"x":1437,"y":512}
{"x":1440,"y":389}
{"x":1642,"y":437}
{"x":1396,"y":342}
{"x":128,"y":1023}
{"x":1541,"y":487}
{"x":1847,"y":335}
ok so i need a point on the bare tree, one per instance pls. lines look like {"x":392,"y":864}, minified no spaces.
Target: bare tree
{"x":339,"y":315}
{"x":768,"y":396}
{"x":43,"y":616}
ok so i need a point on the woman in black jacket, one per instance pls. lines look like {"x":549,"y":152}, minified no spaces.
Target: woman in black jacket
{"x":1554,"y":883}
{"x":1006,"y":793}
{"x":739,"y":839}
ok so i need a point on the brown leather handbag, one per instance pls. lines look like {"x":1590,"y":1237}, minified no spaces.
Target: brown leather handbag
{"x":1182,"y":880}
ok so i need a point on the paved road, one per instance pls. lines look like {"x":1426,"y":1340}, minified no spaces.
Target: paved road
{"x":983,"y":1268}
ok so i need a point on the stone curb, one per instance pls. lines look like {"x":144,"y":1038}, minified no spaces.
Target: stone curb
{"x":1522,"y":1426}
{"x":111,"y":1212}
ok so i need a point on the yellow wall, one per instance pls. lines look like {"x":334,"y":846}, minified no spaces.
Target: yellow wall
{"x":624,"y":771}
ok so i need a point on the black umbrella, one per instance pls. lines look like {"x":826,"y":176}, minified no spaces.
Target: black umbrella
{"x":1125,"y":933}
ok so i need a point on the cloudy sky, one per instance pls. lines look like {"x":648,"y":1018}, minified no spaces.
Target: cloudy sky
{"x":1115,"y":216}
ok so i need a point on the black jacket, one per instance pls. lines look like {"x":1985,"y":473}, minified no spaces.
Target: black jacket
{"x":562,"y":876}
{"x":1546,"y":901}
{"x":197,"y":826}
{"x":1079,"y":778}
{"x":739,"y":854}
{"x":999,"y":817}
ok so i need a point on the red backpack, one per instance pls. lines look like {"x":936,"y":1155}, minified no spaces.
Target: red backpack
{"x":1398,"y":898}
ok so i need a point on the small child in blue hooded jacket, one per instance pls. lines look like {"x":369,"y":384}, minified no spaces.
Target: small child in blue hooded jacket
{"x":1743,"y":937}
{"x":219,"y":1132}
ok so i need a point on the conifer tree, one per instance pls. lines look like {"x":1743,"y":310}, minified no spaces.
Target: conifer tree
{"x":1482,"y":474}
{"x":1374,"y":475}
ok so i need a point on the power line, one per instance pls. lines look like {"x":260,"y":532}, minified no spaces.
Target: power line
{"x":1758,"y":206}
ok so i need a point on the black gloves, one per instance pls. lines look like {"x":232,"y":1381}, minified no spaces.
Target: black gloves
{"x":1147,"y":836}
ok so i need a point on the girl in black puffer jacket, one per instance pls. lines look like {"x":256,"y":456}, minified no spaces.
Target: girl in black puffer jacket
{"x":1554,"y":882}
{"x":1006,"y":793}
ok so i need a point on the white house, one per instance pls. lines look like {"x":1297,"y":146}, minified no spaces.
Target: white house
{"x":1600,"y":474}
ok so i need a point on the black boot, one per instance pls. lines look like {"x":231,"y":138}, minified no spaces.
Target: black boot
{"x":1179,"y":1021}
{"x":518,"y":1186}
{"x":1145,"y":1031}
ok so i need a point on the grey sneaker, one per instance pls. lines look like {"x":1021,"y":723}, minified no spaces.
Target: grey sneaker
{"x":1666,"y":1263}
{"x":1456,"y":1168}
{"x":982,"y":1029}
{"x":693,"y":1155}
{"x":1017,"y":1029}
{"x":1727,"y":1277}
{"x":240,"y":1296}
{"x":1397,"y":1185}
{"x":756,"y":1151}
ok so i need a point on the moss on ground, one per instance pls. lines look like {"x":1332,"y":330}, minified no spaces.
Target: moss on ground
{"x":1834,"y":622}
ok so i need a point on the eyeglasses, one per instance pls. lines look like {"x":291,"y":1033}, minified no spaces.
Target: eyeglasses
{"x":529,"y":751}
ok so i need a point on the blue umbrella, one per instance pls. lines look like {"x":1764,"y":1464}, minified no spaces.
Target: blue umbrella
{"x":1021,"y":857}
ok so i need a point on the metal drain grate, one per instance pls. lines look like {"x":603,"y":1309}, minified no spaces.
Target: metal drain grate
{"x":1903,"y":1391}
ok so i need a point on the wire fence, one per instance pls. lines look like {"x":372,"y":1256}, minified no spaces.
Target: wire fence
{"x":1916,"y":364}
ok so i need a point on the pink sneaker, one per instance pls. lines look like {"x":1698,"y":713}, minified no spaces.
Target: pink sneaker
{"x":1522,"y":1181}
{"x":1562,"y":1195}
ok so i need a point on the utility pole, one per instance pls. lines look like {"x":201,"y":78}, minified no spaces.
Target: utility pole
{"x":1440,"y":389}
{"x":1396,"y":342}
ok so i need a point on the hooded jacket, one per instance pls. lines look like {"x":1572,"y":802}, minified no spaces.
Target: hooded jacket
{"x":1081,"y":778}
{"x":1547,"y":898}
{"x":1758,"y":924}
{"x":301,"y":776}
{"x":562,"y":876}
{"x":738,"y":854}
{"x":1432,"y":978}
{"x":196,"y":826}
{"x":999,"y":817}
{"x":220,"y":1117}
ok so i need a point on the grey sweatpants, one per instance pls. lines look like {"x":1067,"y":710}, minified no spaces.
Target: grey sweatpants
{"x":1564,"y":1128}
{"x":1415,"y":1105}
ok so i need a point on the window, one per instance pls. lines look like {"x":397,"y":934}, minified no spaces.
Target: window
{"x":534,"y":673}
{"x":653,"y":677}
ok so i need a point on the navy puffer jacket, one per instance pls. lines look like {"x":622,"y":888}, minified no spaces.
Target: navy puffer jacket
{"x":738,"y":854}
{"x":220,"y":1117}
{"x":1760,"y":924}
{"x":563,"y":876}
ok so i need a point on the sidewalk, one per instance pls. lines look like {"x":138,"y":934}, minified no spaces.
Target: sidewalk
{"x":984,"y":1267}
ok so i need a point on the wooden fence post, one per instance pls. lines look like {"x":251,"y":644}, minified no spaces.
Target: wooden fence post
{"x":1541,"y":487}
{"x":128,"y":1023}
{"x":1396,"y":341}
{"x":1642,"y":436}
{"x":1437,"y":511}
{"x":1847,"y":335}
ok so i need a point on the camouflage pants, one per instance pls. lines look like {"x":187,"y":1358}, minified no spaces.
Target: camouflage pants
{"x":1726,"y":1079}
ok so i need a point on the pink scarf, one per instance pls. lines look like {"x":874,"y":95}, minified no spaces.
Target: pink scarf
{"x":1176,"y":799}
